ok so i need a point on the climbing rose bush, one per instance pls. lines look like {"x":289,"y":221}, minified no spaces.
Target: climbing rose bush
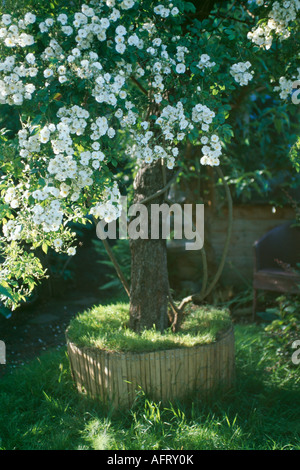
{"x":112,"y":82}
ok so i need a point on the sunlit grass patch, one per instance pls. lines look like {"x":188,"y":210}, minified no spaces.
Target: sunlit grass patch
{"x":106,"y":327}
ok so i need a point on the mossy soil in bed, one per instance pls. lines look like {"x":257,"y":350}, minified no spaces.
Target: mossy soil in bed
{"x":106,"y":327}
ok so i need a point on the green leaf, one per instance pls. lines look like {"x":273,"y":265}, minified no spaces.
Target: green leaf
{"x":6,"y":291}
{"x":45,"y":248}
{"x":278,"y":125}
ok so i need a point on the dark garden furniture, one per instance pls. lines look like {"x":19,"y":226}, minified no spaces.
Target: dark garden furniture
{"x":276,"y":255}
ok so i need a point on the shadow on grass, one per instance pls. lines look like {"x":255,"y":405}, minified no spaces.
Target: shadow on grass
{"x":40,"y":409}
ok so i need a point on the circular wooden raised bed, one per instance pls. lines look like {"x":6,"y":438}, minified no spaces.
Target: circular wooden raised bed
{"x":163,"y":375}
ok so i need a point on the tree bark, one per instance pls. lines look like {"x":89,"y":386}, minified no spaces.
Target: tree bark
{"x":149,"y":270}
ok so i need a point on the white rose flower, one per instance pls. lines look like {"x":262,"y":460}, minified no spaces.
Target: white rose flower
{"x":48,"y":73}
{"x":57,"y":243}
{"x":30,"y":58}
{"x":180,"y":68}
{"x":120,"y":48}
{"x":6,"y":19}
{"x":62,"y":18}
{"x":18,"y":98}
{"x":121,"y":30}
{"x":9,"y":42}
{"x":29,"y":18}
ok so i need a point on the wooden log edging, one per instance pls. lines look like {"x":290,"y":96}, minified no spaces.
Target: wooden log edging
{"x":164,"y":375}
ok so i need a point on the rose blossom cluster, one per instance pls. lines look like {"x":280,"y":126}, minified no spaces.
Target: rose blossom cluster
{"x":280,"y":18}
{"x":68,"y":171}
{"x":240,"y":73}
{"x":70,"y":151}
{"x":205,"y":62}
{"x":279,"y":24}
{"x":285,"y":86}
{"x":110,"y":209}
{"x":164,"y":12}
{"x":12,"y":89}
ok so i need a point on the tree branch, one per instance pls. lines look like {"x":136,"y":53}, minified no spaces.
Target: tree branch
{"x":229,"y":231}
{"x":234,"y":19}
{"x":163,"y":169}
{"x":247,"y":10}
{"x":221,"y":21}
{"x":204,"y":293}
{"x":161,"y":191}
{"x":138,"y":84}
{"x":177,"y":314}
{"x":113,"y":260}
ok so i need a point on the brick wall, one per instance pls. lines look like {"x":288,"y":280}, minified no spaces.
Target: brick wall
{"x":250,"y":222}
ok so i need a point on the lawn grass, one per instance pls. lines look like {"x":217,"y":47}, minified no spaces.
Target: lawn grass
{"x":106,"y":327}
{"x":40,"y":409}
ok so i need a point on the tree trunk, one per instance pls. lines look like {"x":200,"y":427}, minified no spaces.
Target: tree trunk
{"x":149,"y":271}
